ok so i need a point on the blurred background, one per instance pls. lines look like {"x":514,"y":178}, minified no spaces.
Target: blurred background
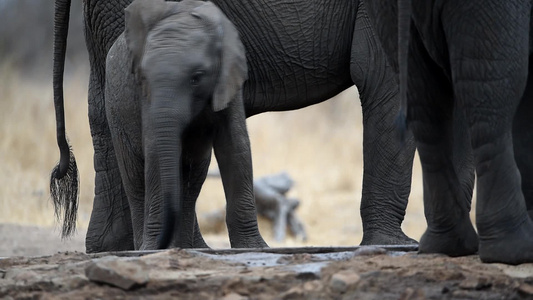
{"x":319,"y":146}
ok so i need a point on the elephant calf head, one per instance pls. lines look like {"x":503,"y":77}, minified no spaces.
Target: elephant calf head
{"x":191,"y":63}
{"x":186,"y":48}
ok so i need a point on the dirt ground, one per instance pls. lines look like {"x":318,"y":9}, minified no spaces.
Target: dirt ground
{"x":280,"y":273}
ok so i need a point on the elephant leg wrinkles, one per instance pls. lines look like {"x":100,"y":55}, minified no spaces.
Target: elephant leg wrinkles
{"x":387,"y":160}
{"x":445,"y":155}
{"x":489,"y":81}
{"x":387,"y":198}
{"x":523,"y":140}
{"x":123,"y":111}
{"x":194,"y":175}
{"x":232,"y":150}
{"x":110,"y":224}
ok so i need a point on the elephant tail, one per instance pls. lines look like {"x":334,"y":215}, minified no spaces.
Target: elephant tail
{"x":64,"y":180}
{"x":404,"y":28}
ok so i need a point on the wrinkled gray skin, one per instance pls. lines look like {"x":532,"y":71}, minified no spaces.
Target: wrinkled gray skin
{"x":465,"y":67}
{"x":299,"y":53}
{"x":183,"y":99}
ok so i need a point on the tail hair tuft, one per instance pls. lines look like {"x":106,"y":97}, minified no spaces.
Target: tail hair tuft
{"x":65,"y":196}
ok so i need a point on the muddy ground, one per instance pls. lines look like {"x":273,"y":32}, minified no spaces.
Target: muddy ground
{"x":281,"y":273}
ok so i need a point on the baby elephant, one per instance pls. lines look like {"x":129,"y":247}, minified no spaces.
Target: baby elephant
{"x":173,"y":92}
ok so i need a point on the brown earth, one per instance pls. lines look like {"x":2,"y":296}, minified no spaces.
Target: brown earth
{"x":316,"y":273}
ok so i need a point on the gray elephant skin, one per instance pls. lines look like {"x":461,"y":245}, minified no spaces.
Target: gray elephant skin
{"x":183,"y":99}
{"x":299,"y":53}
{"x":464,"y":67}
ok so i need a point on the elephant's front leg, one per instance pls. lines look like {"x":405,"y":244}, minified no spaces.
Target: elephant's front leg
{"x":123,"y":111}
{"x":194,"y":170}
{"x":232,"y":150}
{"x":387,"y":160}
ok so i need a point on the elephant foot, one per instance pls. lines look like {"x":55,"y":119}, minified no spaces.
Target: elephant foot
{"x":460,"y":240}
{"x":255,"y":242}
{"x":381,"y":238}
{"x":512,"y":248}
{"x":200,"y":243}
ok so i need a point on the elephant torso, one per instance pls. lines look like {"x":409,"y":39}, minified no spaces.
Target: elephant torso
{"x":104,"y":22}
{"x":298,"y":51}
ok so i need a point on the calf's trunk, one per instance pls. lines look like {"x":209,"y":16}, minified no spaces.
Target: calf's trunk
{"x":169,"y":121}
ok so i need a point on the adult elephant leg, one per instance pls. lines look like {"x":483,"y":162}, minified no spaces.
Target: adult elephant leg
{"x":445,"y":155}
{"x":110,"y":227}
{"x":523,"y":140}
{"x":388,"y":161}
{"x":489,"y":71}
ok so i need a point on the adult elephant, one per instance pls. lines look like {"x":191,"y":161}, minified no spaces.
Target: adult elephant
{"x":299,"y":53}
{"x":465,"y":70}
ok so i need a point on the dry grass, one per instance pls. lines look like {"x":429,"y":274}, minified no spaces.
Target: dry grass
{"x":28,"y":149}
{"x":319,"y":146}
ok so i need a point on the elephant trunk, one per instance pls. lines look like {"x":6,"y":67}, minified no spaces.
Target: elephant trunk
{"x":169,"y":123}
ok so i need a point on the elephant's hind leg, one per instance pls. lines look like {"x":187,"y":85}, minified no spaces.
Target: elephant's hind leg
{"x":489,"y":71}
{"x":445,"y":155}
{"x":110,"y":227}
{"x":388,"y":162}
{"x":523,"y":140}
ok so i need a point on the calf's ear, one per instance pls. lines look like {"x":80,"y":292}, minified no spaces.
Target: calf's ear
{"x":233,"y":69}
{"x":140,"y":17}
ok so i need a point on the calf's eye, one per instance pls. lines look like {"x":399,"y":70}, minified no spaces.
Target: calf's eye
{"x":196,"y":78}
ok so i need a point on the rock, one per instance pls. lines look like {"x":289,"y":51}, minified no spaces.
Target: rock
{"x":120,"y":273}
{"x":342,"y":280}
{"x":70,"y":283}
{"x":23,"y":276}
{"x":313,"y":285}
{"x":295,"y":292}
{"x":369,"y":250}
{"x":412,"y":294}
{"x":525,"y":289}
{"x":234,"y":296}
{"x":473,"y":283}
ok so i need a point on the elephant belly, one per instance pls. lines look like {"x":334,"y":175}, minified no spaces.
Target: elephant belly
{"x":293,"y":93}
{"x":298,"y":51}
